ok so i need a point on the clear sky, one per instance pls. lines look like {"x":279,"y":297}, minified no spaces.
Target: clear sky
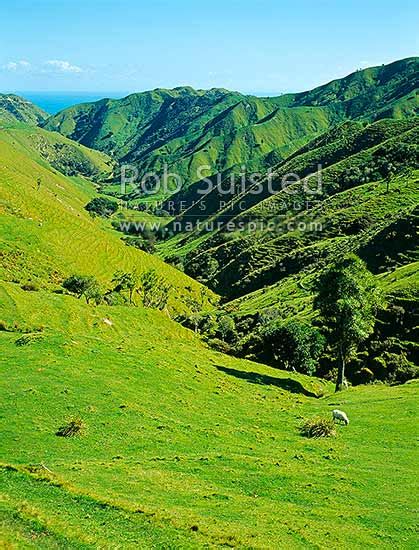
{"x":250,"y":46}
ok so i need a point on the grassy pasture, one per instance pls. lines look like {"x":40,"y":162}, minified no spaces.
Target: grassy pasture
{"x":184,"y":447}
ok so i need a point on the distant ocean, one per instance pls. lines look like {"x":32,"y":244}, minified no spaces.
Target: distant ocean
{"x":52,"y":102}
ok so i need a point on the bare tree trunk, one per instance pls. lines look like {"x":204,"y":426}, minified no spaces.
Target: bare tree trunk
{"x":341,"y":372}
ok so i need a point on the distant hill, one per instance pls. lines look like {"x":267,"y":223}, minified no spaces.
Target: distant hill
{"x":67,"y":156}
{"x":17,"y":109}
{"x":187,"y":128}
{"x":372,"y":93}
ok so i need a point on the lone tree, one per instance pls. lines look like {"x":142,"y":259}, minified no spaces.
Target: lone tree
{"x":154,"y":289}
{"x":126,"y":281}
{"x":347,"y":301}
{"x":82,"y":285}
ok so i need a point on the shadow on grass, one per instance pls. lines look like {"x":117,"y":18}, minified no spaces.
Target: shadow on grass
{"x":287,"y":384}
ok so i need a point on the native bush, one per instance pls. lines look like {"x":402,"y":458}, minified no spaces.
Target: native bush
{"x":101,"y":206}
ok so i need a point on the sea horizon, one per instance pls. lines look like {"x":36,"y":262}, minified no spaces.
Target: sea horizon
{"x":55,"y":101}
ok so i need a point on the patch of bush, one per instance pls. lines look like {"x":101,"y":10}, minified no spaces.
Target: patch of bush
{"x":318,"y":427}
{"x":363,"y":376}
{"x":140,"y":242}
{"x":83,"y":285}
{"x":27,"y":339}
{"x":219,"y":345}
{"x":115,"y":299}
{"x":227,"y":329}
{"x":294,"y":345}
{"x":397,"y":367}
{"x":101,"y":206}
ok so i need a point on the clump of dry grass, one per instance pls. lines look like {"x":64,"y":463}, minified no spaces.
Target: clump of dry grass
{"x":72,"y":428}
{"x":318,"y":427}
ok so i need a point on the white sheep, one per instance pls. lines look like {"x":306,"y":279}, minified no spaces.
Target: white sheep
{"x":341,"y":416}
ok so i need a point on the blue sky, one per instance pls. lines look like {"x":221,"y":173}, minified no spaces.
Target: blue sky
{"x":250,"y":46}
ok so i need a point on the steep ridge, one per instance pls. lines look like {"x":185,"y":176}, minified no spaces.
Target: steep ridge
{"x":225,"y":201}
{"x":349,"y":155}
{"x":17,"y":109}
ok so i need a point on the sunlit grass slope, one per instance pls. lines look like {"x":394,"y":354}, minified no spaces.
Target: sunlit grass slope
{"x":47,"y":234}
{"x":184,"y":447}
{"x":56,"y":151}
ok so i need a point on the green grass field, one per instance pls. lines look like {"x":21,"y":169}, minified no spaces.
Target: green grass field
{"x":184,"y":447}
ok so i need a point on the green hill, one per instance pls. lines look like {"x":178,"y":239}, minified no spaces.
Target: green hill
{"x":187,"y":129}
{"x":57,"y":152}
{"x":342,"y":158}
{"x":17,"y":109}
{"x":372,"y":93}
{"x":264,"y":251}
{"x":47,"y":234}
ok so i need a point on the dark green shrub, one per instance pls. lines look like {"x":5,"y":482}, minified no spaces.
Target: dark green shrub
{"x":227,"y":328}
{"x":363,"y":376}
{"x":405,"y":372}
{"x":82,"y":285}
{"x":294,"y":345}
{"x":102,"y":206}
{"x":27,"y":339}
{"x":31,"y":287}
{"x":115,"y":299}
{"x":398,"y":368}
{"x":147,"y":245}
{"x":219,"y":345}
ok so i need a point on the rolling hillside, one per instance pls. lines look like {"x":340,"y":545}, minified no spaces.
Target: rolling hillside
{"x":188,"y":129}
{"x":124,"y":426}
{"x":47,"y":234}
{"x":57,"y":152}
{"x":183,"y":447}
